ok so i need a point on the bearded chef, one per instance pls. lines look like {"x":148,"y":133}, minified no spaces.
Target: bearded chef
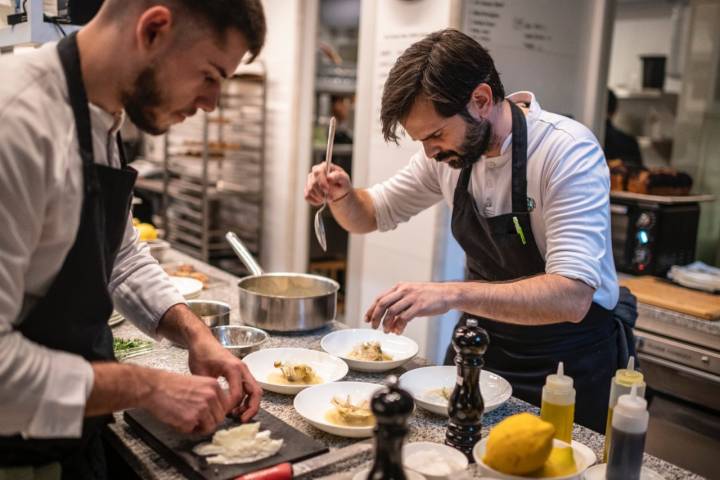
{"x":68,"y":250}
{"x":529,"y":196}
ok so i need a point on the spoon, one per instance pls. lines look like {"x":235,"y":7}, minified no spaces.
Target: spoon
{"x":319,"y":225}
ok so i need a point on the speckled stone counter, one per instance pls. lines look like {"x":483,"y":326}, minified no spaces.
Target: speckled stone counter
{"x":424,"y":426}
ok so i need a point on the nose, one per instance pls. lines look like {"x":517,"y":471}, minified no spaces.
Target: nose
{"x":209,"y":100}
{"x":431,"y":148}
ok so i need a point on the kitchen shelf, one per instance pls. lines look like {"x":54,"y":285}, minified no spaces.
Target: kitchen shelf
{"x":34,"y":31}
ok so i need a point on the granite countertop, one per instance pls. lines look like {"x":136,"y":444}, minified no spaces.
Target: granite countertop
{"x":424,"y":426}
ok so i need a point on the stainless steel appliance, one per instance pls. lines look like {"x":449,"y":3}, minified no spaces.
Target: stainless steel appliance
{"x":651,"y":233}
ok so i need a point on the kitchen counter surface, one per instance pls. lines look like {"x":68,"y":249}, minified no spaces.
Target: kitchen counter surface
{"x":424,"y":426}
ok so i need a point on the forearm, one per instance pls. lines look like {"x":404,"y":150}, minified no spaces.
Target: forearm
{"x":118,"y":386}
{"x":540,"y":300}
{"x":180,"y":325}
{"x":355,"y":212}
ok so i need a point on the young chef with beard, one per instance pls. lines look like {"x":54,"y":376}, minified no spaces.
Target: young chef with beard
{"x":529,"y":194}
{"x":68,"y":250}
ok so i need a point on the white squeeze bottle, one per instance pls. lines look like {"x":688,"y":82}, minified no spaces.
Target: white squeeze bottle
{"x":629,"y":427}
{"x":558,"y":404}
{"x":621,"y":384}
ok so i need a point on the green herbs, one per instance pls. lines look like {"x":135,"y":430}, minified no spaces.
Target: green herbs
{"x":128,"y":347}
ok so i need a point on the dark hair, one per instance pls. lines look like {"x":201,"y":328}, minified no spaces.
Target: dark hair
{"x":445,"y":66}
{"x":611,"y":103}
{"x":246,"y":16}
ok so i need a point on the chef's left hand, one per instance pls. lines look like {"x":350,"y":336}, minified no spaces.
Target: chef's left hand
{"x":207,"y":357}
{"x":406,"y":301}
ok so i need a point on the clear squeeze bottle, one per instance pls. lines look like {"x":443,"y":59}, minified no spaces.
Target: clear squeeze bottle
{"x":623,"y":381}
{"x":558,"y":404}
{"x":629,"y":427}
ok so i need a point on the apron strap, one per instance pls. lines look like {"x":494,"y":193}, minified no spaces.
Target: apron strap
{"x":70,"y":56}
{"x":519,"y":159}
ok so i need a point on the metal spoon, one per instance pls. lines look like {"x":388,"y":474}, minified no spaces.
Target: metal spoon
{"x":319,"y":225}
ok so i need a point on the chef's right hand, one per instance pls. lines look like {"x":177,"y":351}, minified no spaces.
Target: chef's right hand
{"x":336,"y":184}
{"x":188,"y":403}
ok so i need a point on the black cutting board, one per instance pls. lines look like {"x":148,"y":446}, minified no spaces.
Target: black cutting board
{"x":177,"y":447}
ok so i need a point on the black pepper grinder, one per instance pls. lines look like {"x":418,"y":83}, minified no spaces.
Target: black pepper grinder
{"x":466,"y":406}
{"x":391,"y":406}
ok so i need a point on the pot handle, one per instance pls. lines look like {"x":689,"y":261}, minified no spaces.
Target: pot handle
{"x":243,"y":253}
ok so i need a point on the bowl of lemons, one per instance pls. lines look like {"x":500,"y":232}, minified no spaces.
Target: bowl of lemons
{"x":522,"y":446}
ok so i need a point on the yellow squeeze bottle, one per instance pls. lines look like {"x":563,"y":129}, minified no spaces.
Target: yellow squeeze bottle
{"x":622,"y":384}
{"x":558,"y":404}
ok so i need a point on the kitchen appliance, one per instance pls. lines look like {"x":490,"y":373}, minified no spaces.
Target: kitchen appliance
{"x":176,"y":448}
{"x":283,"y":302}
{"x":651,"y":233}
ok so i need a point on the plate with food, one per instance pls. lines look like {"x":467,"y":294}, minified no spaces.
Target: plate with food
{"x":431,"y":388}
{"x":188,"y":287}
{"x":368,"y":350}
{"x":290,"y":370}
{"x":340,"y":408}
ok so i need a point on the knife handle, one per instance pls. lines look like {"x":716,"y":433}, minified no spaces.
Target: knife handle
{"x":282,"y":471}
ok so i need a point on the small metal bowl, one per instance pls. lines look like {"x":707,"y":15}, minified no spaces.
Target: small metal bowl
{"x":212,"y":313}
{"x":240,"y":340}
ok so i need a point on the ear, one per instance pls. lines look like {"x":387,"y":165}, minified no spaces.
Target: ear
{"x":481,"y":101}
{"x":153,"y":31}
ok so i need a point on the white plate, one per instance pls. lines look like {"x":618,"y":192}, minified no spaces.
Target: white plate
{"x":583,"y":460}
{"x":340,"y":343}
{"x":313,"y":403}
{"x":598,"y":473}
{"x":158,"y":249}
{"x":115,"y":319}
{"x":447,"y":453}
{"x":495,"y":389}
{"x":362,"y":474}
{"x":260,"y":363}
{"x":188,"y":287}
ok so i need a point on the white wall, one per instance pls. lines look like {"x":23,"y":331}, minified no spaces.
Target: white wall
{"x":643,"y":28}
{"x":289,"y":59}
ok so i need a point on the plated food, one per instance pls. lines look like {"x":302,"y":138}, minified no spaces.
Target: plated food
{"x":242,"y":444}
{"x":368,"y":350}
{"x":187,"y":270}
{"x":188,"y":287}
{"x":431,"y":388}
{"x":125,"y":348}
{"x":290,"y":370}
{"x":340,"y":408}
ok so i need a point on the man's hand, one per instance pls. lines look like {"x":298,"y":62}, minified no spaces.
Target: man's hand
{"x":336,"y":184}
{"x":405,"y":301}
{"x":209,"y":358}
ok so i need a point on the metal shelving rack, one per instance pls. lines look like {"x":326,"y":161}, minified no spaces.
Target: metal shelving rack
{"x":214,"y":172}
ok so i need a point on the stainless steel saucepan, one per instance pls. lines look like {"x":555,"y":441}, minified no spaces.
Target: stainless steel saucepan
{"x":283,"y":302}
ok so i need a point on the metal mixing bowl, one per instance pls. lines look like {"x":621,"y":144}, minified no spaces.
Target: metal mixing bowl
{"x":212,"y":312}
{"x":240,"y":340}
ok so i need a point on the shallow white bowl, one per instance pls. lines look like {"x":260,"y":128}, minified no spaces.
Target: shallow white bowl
{"x":448,"y":453}
{"x":188,"y":287}
{"x":260,"y":363}
{"x":409,"y":474}
{"x":584,"y":458}
{"x":312,"y":404}
{"x":340,"y":343}
{"x":158,"y":249}
{"x":495,"y":389}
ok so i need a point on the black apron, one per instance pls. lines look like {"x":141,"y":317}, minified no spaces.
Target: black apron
{"x":73,"y":315}
{"x":497,"y":251}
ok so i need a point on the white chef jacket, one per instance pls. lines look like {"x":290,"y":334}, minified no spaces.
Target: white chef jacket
{"x":567,"y":178}
{"x":43,"y":392}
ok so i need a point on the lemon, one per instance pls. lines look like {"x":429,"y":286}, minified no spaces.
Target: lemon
{"x":519,"y":445}
{"x":136,"y":221}
{"x":146,"y":231}
{"x":560,"y":463}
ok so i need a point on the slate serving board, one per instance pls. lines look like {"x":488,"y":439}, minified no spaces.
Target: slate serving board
{"x":176,"y":447}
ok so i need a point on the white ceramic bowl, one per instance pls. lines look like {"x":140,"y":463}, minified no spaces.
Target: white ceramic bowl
{"x":188,"y":287}
{"x":260,"y":364}
{"x":598,"y":473}
{"x":420,"y":382}
{"x":449,"y":454}
{"x":340,"y":343}
{"x":409,"y":474}
{"x":584,"y":458}
{"x":158,"y":249}
{"x":313,"y":403}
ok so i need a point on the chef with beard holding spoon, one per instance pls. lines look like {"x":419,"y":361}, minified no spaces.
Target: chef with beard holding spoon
{"x":529,"y":193}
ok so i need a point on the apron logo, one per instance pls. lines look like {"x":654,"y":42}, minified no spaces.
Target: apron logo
{"x":530,"y":204}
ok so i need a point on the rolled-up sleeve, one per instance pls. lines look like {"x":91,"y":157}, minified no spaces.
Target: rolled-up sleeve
{"x":42,"y":392}
{"x":405,"y":194}
{"x":577,"y":212}
{"x":140,"y":288}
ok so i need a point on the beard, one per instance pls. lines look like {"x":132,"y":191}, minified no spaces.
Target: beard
{"x":143,"y":102}
{"x":476,"y":142}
